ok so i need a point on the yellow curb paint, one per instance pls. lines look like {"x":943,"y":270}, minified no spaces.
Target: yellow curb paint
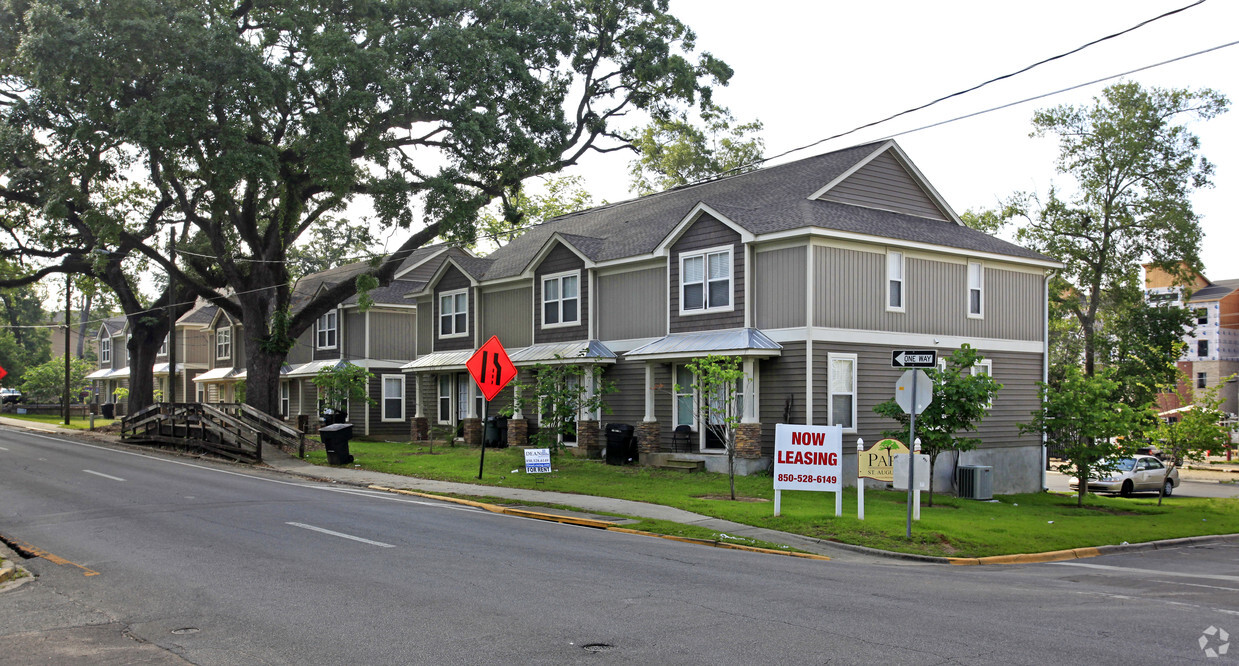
{"x":54,"y":559}
{"x":1028,"y":558}
{"x":600,"y":524}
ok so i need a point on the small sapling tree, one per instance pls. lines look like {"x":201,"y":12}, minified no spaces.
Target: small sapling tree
{"x":560,"y":393}
{"x":340,"y":383}
{"x":717,"y":386}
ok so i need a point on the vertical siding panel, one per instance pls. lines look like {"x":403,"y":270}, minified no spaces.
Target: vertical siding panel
{"x":884,"y":183}
{"x":632,"y":304}
{"x":780,"y":288}
{"x":354,"y":333}
{"x":425,"y":326}
{"x":509,"y":315}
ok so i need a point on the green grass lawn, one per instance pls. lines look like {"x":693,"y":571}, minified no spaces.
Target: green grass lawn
{"x":952,"y":527}
{"x":75,"y":422}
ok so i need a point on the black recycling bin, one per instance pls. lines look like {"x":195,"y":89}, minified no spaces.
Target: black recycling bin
{"x":495,"y":435}
{"x":335,"y":439}
{"x":621,"y":444}
{"x":109,"y":410}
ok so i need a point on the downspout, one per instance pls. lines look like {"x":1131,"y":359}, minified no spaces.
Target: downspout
{"x":1045,"y":370}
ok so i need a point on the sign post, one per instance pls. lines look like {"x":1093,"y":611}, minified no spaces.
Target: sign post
{"x":491,"y":369}
{"x":913,"y":358}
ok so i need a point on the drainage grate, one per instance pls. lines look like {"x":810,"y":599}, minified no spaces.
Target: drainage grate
{"x":597,"y":647}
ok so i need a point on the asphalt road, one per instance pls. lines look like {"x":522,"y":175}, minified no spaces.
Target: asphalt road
{"x":152,"y":559}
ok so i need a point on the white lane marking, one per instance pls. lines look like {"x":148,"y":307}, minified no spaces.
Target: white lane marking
{"x":341,"y":535}
{"x":1211,"y":587}
{"x":1153,"y":572}
{"x":106,"y":476}
{"x":3,"y":449}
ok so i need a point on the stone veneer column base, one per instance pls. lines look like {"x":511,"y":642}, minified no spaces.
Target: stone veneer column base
{"x":748,"y":440}
{"x":648,"y":436}
{"x":587,"y":443}
{"x":518,"y":432}
{"x":472,"y":429}
{"x":420,"y":429}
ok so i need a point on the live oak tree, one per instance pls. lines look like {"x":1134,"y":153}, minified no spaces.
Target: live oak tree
{"x":1134,"y":164}
{"x":244,"y":125}
{"x":673,"y":150}
{"x":518,"y":209}
{"x":961,"y":399}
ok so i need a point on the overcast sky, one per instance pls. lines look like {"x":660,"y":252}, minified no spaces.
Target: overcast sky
{"x":809,"y":70}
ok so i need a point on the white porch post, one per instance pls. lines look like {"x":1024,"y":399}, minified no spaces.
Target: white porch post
{"x":517,"y":413}
{"x":649,"y":391}
{"x":750,"y":392}
{"x":419,"y":411}
{"x":472,"y":411}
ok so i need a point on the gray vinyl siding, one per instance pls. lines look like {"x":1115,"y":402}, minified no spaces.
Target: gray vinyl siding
{"x":453,"y":280}
{"x":238,"y":347}
{"x":560,"y":260}
{"x":884,"y":183}
{"x":509,"y":315}
{"x":335,"y":351}
{"x":380,"y":429}
{"x":707,"y":232}
{"x":391,"y":335}
{"x":302,"y":350}
{"x":850,"y":292}
{"x":353,"y":334}
{"x":779,"y":291}
{"x":876,"y":379}
{"x":425,"y":326}
{"x":632,"y":304}
{"x":627,"y":403}
{"x":781,"y":379}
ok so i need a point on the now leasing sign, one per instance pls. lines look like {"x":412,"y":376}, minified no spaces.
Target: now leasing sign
{"x":808,"y":457}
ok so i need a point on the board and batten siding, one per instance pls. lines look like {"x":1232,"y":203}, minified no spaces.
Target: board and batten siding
{"x":779,"y":290}
{"x":781,"y":382}
{"x":627,"y":405}
{"x":508,"y":314}
{"x":850,"y":292}
{"x":352,"y":335}
{"x":454,"y":280}
{"x":632,"y":304}
{"x":425,"y":326}
{"x":560,"y":260}
{"x":391,"y":335}
{"x":705,"y":233}
{"x":885,"y":184}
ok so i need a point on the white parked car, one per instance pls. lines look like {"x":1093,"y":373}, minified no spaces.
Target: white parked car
{"x":1137,"y":474}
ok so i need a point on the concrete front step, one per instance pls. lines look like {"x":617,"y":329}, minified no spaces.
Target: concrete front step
{"x":682,"y":465}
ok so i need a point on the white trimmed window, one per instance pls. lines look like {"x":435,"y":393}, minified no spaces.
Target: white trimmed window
{"x":284,"y":399}
{"x":393,"y":397}
{"x":445,"y":398}
{"x":705,"y":281}
{"x":561,"y":300}
{"x":328,"y":326}
{"x":223,"y":342}
{"x":842,"y":385}
{"x":105,"y":350}
{"x":1202,"y":380}
{"x":976,"y":289}
{"x":685,"y":414}
{"x":163,"y":348}
{"x":894,"y":281}
{"x":984,"y":367}
{"x":453,"y":313}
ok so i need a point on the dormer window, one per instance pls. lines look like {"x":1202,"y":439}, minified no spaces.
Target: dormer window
{"x":454,"y":313}
{"x":223,"y":343}
{"x":705,"y":281}
{"x":561,"y":300}
{"x":105,"y":350}
{"x":326,"y":338}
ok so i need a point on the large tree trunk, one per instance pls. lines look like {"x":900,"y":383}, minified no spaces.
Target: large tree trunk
{"x":264,"y":355}
{"x":143,"y":346}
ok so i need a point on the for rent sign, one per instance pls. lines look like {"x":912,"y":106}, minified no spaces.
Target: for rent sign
{"x":808,"y":457}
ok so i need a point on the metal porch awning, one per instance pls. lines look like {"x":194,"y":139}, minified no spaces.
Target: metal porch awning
{"x":310,"y":369}
{"x":101,"y":373}
{"x":216,"y":375}
{"x":591,"y":351}
{"x":742,"y":342}
{"x":439,"y":361}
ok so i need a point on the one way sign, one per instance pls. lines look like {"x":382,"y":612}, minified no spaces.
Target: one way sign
{"x":914,"y":358}
{"x":491,"y":368}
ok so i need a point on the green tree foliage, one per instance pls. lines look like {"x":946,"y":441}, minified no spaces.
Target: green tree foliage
{"x":1197,"y":429}
{"x":1144,"y":346}
{"x":245,"y":125}
{"x":1134,"y":164}
{"x":340,"y":383}
{"x":518,"y":210}
{"x":717,"y":389}
{"x":24,"y":342}
{"x":673,"y":151}
{"x":560,"y":394}
{"x":45,"y":383}
{"x":1084,"y":417}
{"x":962,"y":395}
{"x":332,"y":242}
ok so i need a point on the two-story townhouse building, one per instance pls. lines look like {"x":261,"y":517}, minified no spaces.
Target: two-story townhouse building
{"x":811,"y":272}
{"x":113,"y":372}
{"x":1211,"y":352}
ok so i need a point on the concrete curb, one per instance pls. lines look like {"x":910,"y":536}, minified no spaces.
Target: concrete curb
{"x":589,"y":522}
{"x":7,"y":571}
{"x":1082,"y":553}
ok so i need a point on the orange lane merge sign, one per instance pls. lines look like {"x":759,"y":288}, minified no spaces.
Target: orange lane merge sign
{"x":491,"y":368}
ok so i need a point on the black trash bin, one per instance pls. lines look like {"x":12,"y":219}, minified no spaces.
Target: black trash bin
{"x":495,"y":434}
{"x":335,"y":439}
{"x":621,"y":444}
{"x":109,"y":410}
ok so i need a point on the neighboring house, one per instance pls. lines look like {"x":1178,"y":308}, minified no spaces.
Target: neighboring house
{"x":811,"y":272}
{"x":1212,"y":347}
{"x":111,"y":344}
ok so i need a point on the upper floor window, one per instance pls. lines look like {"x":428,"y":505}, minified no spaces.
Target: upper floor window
{"x":894,"y":281}
{"x":1202,"y":315}
{"x":1202,"y":380}
{"x":705,"y":281}
{"x":105,"y":350}
{"x":163,"y":348}
{"x":223,"y":342}
{"x":976,"y":286}
{"x":560,"y":300}
{"x":1202,"y":348}
{"x":327,"y":328}
{"x":453,"y":313}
